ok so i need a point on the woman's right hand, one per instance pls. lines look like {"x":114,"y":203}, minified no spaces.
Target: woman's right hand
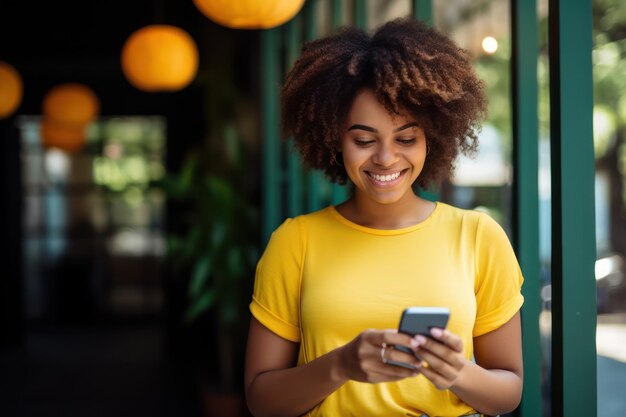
{"x":361,"y":360}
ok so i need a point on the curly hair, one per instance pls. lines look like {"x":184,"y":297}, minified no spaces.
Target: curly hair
{"x":409,"y":67}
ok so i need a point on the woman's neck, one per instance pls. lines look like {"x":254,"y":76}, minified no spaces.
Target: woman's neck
{"x":406,"y":212}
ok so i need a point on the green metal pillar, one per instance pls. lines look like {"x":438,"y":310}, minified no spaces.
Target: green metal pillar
{"x":524,"y":55}
{"x":337,"y":13}
{"x":294,"y":168}
{"x":360,"y":14}
{"x":338,"y":193}
{"x":270,"y":131}
{"x":573,"y":235}
{"x":423,"y":10}
{"x":315,"y":179}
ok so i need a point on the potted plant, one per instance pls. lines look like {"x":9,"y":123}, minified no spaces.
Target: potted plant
{"x":215,"y":251}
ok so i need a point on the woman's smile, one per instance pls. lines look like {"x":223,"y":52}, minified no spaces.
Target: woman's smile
{"x":386,"y":179}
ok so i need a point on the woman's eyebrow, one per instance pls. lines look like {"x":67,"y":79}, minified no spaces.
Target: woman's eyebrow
{"x":371,"y":129}
{"x":406,"y":126}
{"x":362,"y":127}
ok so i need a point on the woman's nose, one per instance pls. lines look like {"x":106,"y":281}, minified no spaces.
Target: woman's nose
{"x":385,"y":155}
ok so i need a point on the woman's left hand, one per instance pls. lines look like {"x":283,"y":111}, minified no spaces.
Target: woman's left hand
{"x":443,"y":354}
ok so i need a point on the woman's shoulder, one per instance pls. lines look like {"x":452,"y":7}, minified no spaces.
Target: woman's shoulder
{"x":311,"y":219}
{"x":297,"y":225}
{"x":455,"y":214}
{"x":478,"y":222}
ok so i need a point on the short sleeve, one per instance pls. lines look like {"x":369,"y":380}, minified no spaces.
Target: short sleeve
{"x":276,"y":297}
{"x":498,"y":277}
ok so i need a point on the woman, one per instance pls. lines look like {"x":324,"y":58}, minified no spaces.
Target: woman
{"x":386,"y":112}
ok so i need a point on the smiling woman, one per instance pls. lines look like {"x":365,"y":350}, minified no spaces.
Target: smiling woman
{"x":384,"y":159}
{"x":403,"y":66}
{"x":386,"y":113}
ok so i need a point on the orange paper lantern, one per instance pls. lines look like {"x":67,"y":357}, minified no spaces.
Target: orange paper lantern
{"x":11,"y":90}
{"x":65,"y":137}
{"x":249,"y":14}
{"x":71,"y":104}
{"x":160,"y":58}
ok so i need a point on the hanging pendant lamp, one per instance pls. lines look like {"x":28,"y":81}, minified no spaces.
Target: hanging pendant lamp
{"x":71,"y":104}
{"x":249,"y":14}
{"x":11,"y":90}
{"x":160,"y":58}
{"x":68,"y":109}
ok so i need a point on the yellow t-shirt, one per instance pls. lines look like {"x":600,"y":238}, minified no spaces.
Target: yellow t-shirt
{"x":324,"y":279}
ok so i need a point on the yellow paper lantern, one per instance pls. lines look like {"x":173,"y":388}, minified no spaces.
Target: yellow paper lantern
{"x":11,"y":90}
{"x":249,"y":14}
{"x":66,"y":137}
{"x":71,"y":104}
{"x":160,"y":58}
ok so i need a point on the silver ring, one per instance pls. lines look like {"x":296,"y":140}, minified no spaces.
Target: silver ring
{"x":383,"y":349}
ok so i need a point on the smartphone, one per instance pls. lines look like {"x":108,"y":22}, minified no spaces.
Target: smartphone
{"x":419,"y":320}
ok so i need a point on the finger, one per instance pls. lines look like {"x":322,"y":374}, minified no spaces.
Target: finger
{"x":399,"y":356}
{"x":377,"y":339}
{"x":392,"y":370}
{"x":392,"y":337}
{"x":440,"y":349}
{"x":396,"y":359}
{"x":436,"y":379}
{"x":437,"y":365}
{"x":448,"y":338}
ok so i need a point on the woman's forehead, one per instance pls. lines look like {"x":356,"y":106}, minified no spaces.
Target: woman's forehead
{"x":366,"y":109}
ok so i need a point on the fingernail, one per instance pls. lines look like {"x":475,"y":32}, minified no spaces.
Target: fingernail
{"x":420,"y":339}
{"x":414,"y":343}
{"x":436,"y":332}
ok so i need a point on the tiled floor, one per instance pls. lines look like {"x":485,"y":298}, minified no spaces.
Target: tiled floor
{"x":93,"y":372}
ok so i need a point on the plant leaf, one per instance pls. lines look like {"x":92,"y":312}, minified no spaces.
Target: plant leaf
{"x":222,"y":192}
{"x":193,"y":243}
{"x":199,"y":276}
{"x":218,"y":234}
{"x":171,"y":187}
{"x":188,"y":173}
{"x":235,"y":262}
{"x":201,"y":305}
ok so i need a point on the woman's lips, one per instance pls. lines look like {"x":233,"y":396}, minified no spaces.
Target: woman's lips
{"x":387,"y":179}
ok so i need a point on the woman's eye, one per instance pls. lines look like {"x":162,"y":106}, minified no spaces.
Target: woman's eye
{"x":363,"y":142}
{"x":406,"y":141}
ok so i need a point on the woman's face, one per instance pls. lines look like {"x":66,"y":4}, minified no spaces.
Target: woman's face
{"x":383,"y":154}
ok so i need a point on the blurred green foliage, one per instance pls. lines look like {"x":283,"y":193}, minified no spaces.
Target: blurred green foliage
{"x":218,"y":242}
{"x":609,"y":71}
{"x":494,"y":69}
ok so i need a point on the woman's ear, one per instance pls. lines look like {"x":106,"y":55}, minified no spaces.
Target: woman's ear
{"x":337,"y":158}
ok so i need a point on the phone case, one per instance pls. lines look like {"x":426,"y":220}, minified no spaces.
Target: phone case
{"x":419,"y":320}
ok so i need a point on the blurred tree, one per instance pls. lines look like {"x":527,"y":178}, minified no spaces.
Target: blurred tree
{"x":609,"y":69}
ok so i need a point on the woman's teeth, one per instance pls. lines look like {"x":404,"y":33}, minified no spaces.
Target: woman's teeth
{"x":384,"y":178}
